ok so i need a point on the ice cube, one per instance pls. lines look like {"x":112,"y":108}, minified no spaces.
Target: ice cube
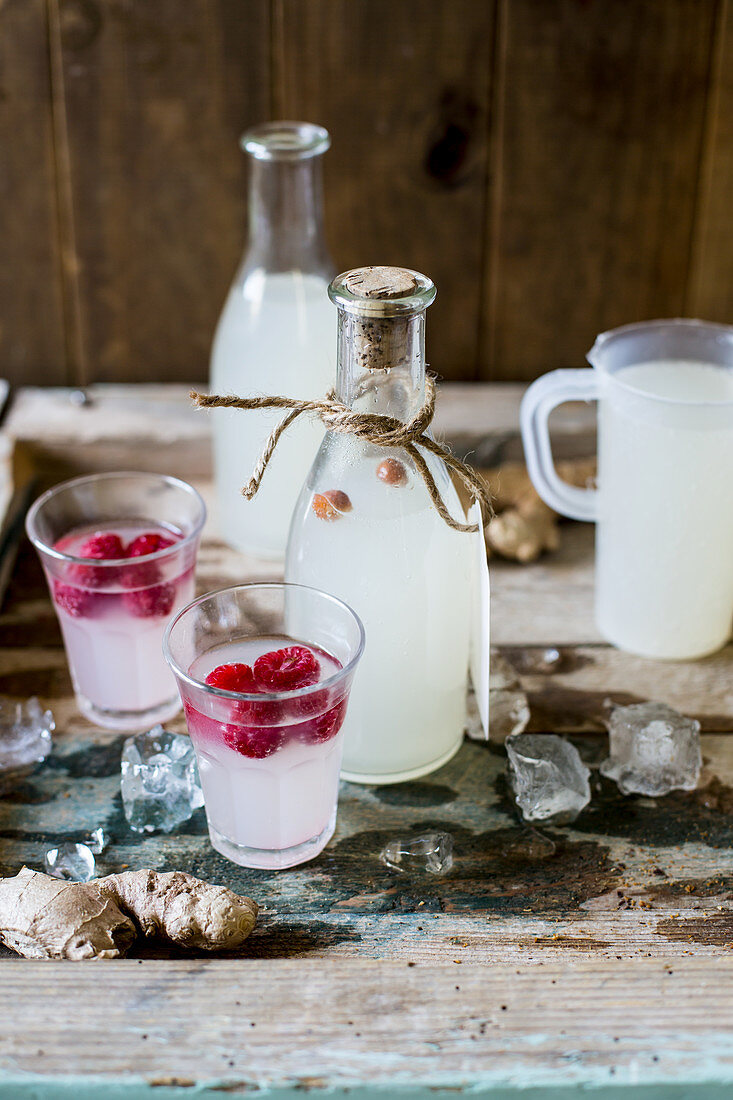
{"x":431,"y":852}
{"x":549,"y":779}
{"x":73,"y":862}
{"x":653,"y":750}
{"x":537,"y":662}
{"x":98,"y":841}
{"x":25,"y":738}
{"x":160,"y":781}
{"x":502,"y":674}
{"x":508,"y":704}
{"x":508,"y":713}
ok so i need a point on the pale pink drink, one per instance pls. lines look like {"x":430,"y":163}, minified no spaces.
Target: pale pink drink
{"x":119,"y":552}
{"x":265,"y":671}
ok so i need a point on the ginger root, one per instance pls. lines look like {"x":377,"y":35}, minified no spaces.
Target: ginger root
{"x":524,"y":526}
{"x":45,"y":918}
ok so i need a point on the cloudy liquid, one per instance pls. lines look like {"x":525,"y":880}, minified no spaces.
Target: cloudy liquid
{"x":276,"y":335}
{"x":407,"y":575}
{"x":113,"y":621}
{"x":267,"y":812}
{"x":664,"y":570}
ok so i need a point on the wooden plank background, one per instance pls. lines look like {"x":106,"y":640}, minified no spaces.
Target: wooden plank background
{"x":557,"y":166}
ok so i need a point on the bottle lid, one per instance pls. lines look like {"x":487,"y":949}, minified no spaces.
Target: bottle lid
{"x":382,"y":291}
{"x":285,"y":141}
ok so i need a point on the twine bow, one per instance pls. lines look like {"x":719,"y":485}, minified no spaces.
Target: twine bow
{"x":382,"y":431}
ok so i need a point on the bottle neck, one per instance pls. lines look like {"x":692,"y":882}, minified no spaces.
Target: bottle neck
{"x":286,"y":217}
{"x":381,"y":363}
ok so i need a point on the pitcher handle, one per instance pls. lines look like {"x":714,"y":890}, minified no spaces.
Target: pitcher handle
{"x":545,"y":394}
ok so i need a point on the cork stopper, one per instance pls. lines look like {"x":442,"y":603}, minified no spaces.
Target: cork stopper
{"x":381,"y":282}
{"x":384,"y":302}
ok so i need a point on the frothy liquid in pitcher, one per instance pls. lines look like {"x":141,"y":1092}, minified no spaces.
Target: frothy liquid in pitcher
{"x":665,"y":537}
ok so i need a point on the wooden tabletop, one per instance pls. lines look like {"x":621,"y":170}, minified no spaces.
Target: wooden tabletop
{"x":609,"y":962}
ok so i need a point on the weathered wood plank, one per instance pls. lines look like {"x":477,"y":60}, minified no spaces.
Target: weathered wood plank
{"x":599,"y":114}
{"x":711,"y":272}
{"x":318,"y":1025}
{"x":156,"y":98}
{"x":405,"y":96}
{"x":31,"y":310}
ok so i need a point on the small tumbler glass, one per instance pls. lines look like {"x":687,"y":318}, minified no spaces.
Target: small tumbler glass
{"x":269,"y":754}
{"x":119,"y":552}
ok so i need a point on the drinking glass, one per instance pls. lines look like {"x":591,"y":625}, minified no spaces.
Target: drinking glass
{"x":664,"y":503}
{"x":269,"y":759}
{"x":113,"y":612}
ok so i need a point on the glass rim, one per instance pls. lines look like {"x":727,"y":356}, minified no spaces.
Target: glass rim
{"x":416,"y":302}
{"x":285,"y":140}
{"x":111,"y":563}
{"x":605,"y":339}
{"x":264,"y":696}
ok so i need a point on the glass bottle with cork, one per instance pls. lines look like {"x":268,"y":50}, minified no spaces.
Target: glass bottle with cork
{"x":275,"y":333}
{"x":368,"y":528}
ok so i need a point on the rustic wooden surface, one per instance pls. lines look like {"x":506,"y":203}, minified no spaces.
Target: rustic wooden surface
{"x":153,"y":98}
{"x":712,"y":255}
{"x":558,"y":166}
{"x":607,"y":962}
{"x":31,"y":307}
{"x":590,"y":230}
{"x":424,"y":140}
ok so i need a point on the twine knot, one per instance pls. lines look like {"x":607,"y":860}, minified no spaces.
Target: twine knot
{"x":374,"y":428}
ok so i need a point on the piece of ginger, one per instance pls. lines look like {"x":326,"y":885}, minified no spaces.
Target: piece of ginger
{"x":523,"y":534}
{"x":524,"y":527}
{"x":45,"y":918}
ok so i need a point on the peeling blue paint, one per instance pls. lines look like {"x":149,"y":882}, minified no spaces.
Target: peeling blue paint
{"x":102,"y":1088}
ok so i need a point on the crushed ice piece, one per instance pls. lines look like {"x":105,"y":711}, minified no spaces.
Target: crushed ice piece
{"x":537,"y":662}
{"x":549,"y":779}
{"x":160,"y":780}
{"x":98,"y":841}
{"x":531,"y":847}
{"x":508,"y":714}
{"x":502,"y":674}
{"x":431,"y":852}
{"x":508,"y":704}
{"x":25,"y":738}
{"x":72,"y":862}
{"x":653,"y":750}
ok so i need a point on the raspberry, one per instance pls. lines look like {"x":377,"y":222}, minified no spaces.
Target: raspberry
{"x":234,"y":677}
{"x":331,"y":505}
{"x":148,"y":543}
{"x":321,"y":729}
{"x":91,"y":576}
{"x":146,"y":573}
{"x":392,"y":472}
{"x":286,"y":669}
{"x":102,"y":547}
{"x":148,"y":603}
{"x":74,"y":601}
{"x":239,"y":677}
{"x":256,"y":742}
{"x":202,"y":725}
{"x":99,"y":547}
{"x":308,"y":706}
{"x":143,"y":575}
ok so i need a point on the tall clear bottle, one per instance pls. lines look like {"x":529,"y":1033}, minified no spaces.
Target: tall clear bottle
{"x":275,"y":334}
{"x":366,"y":530}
